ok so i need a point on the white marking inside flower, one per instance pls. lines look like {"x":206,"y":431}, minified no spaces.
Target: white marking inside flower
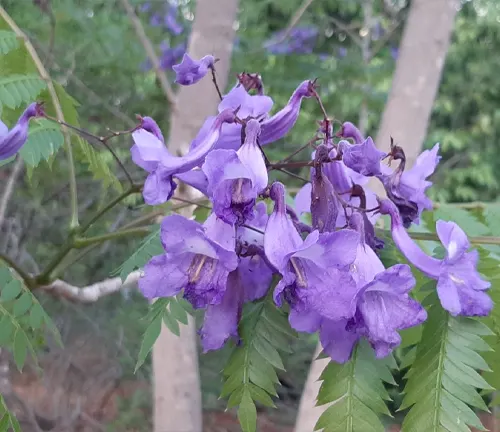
{"x":457,"y":280}
{"x":199,"y":265}
{"x":300,"y":277}
{"x":452,"y":249}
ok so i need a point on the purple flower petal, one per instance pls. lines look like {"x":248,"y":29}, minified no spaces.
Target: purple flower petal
{"x":363,"y":158}
{"x":190,"y":71}
{"x":198,"y":259}
{"x":277,"y":126}
{"x":158,"y":187}
{"x":348,"y":130}
{"x":221,"y":320}
{"x":337,"y":341}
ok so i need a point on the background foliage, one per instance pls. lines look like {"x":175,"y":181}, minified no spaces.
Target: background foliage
{"x":93,"y":55}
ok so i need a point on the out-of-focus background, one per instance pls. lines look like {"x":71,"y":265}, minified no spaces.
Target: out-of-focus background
{"x":98,"y":50}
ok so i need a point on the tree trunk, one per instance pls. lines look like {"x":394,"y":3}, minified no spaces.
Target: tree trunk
{"x":406,"y":116}
{"x":422,"y":54}
{"x":177,"y":395}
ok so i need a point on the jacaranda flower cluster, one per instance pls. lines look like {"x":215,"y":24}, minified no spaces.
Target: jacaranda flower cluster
{"x":329,"y":272}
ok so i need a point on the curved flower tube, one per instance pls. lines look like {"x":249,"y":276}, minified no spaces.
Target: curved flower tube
{"x":12,"y":140}
{"x":460,"y":287}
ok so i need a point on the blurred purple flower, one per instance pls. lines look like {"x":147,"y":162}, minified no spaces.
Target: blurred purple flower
{"x":170,"y":21}
{"x":155,"y":20}
{"x":394,"y":53}
{"x":145,"y":7}
{"x":342,"y":52}
{"x":299,"y":40}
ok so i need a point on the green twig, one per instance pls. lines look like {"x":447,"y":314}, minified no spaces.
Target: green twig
{"x":58,"y":109}
{"x":80,"y":243}
{"x":28,"y":280}
{"x":130,"y":191}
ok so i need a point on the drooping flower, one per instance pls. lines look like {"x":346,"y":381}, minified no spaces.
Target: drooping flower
{"x":346,"y":183}
{"x":314,"y":272}
{"x":363,"y":158}
{"x":12,"y":140}
{"x":460,"y":287}
{"x":150,"y":153}
{"x":383,"y":306}
{"x":235,"y":178}
{"x":198,"y":258}
{"x":324,"y":207}
{"x":190,"y":71}
{"x":249,"y":282}
{"x":221,"y":319}
{"x":407,"y":188}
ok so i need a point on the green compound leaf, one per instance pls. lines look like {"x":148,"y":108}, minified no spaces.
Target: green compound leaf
{"x":148,"y":248}
{"x":443,"y":380}
{"x":359,"y":392}
{"x":250,"y":373}
{"x":18,"y":89}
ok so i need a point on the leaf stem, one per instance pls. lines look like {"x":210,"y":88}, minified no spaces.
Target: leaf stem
{"x":57,"y":107}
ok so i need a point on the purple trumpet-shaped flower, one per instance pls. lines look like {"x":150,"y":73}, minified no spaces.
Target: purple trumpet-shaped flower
{"x":407,"y":188}
{"x":150,"y":153}
{"x":314,"y":272}
{"x":198,"y":258}
{"x":249,"y":282}
{"x":383,"y":306}
{"x":190,"y":71}
{"x":256,"y":106}
{"x":363,"y":158}
{"x":277,"y":126}
{"x":147,"y":152}
{"x":348,"y":130}
{"x":235,"y":178}
{"x":324,"y":206}
{"x":12,"y":140}
{"x":460,"y":287}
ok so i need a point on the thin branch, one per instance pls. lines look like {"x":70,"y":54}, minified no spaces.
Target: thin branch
{"x":348,"y":30}
{"x":59,"y":112}
{"x":28,"y":280}
{"x":81,"y":243}
{"x":385,"y":38}
{"x":112,"y":203}
{"x":91,"y":293}
{"x":9,"y":188}
{"x":294,"y":21}
{"x":150,"y":52}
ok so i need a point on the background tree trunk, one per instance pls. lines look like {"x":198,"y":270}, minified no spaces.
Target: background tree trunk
{"x":422,"y":54}
{"x":177,"y":395}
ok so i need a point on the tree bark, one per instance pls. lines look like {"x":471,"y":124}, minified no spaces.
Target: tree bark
{"x":422,"y":54}
{"x":177,"y":395}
